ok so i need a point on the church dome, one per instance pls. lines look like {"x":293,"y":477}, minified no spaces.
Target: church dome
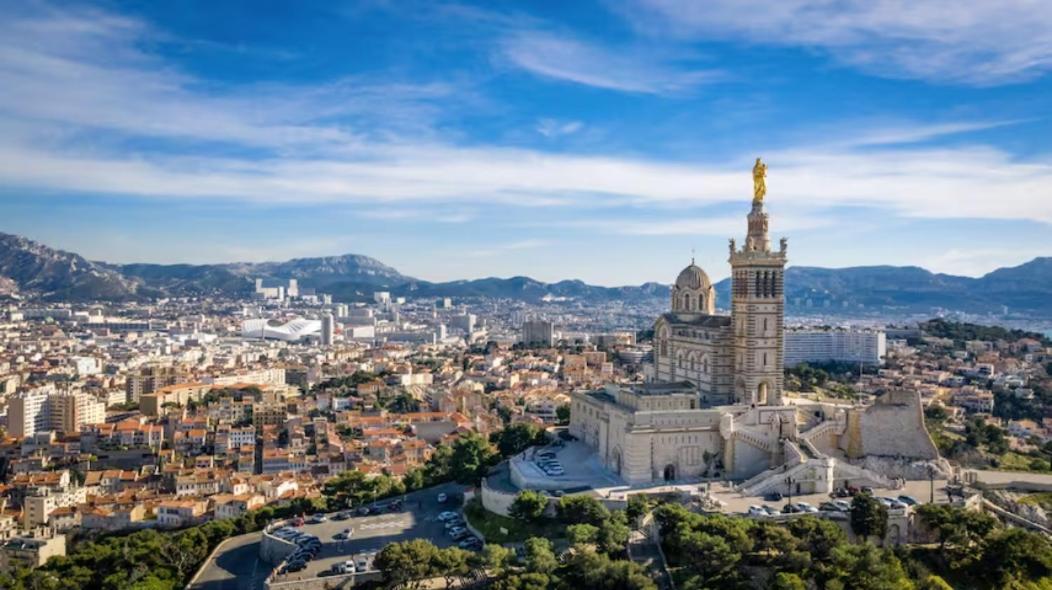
{"x":693,"y":277}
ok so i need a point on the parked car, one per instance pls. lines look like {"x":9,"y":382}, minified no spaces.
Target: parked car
{"x":756,"y":511}
{"x":447,"y":515}
{"x":471,"y":543}
{"x":806,"y":507}
{"x":442,"y":498}
{"x":908,"y":500}
{"x":343,"y":535}
{"x":363,"y":562}
{"x":298,"y":521}
{"x":892,"y":503}
{"x":295,"y":566}
{"x":771,"y":510}
{"x":458,"y":534}
{"x":317,"y":519}
{"x":454,"y":522}
{"x":773,"y":497}
{"x":342,"y":515}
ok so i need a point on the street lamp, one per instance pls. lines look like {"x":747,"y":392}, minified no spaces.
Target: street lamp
{"x":789,"y":481}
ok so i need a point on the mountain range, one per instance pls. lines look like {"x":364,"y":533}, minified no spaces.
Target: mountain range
{"x":31,"y":269}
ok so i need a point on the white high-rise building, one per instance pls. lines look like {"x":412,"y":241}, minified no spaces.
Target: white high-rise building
{"x":27,"y":411}
{"x":867,"y":347}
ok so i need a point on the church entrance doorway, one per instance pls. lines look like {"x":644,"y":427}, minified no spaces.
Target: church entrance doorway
{"x":670,"y":472}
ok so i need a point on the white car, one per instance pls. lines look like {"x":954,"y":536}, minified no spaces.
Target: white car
{"x":346,"y":567}
{"x":362,"y":563}
{"x":447,"y":515}
{"x":442,"y":498}
{"x":757,"y":511}
{"x":805,"y":507}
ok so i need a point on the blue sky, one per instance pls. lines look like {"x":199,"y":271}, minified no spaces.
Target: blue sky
{"x":596,"y":140}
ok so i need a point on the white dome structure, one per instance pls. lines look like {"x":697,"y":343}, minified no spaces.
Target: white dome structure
{"x":291,"y":331}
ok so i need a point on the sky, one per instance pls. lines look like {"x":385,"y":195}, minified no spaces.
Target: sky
{"x":602,"y":140}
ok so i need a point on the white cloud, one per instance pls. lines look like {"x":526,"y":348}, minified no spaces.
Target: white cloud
{"x":976,"y":262}
{"x":553,"y":128}
{"x":76,"y":87}
{"x":981,"y":42}
{"x":626,"y":69}
{"x":726,"y":225}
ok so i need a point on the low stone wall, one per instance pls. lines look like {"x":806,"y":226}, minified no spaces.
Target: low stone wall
{"x":496,"y":501}
{"x":326,"y":583}
{"x":274,"y":550}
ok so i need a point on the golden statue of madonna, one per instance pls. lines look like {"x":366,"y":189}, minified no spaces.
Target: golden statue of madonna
{"x":759,"y":181}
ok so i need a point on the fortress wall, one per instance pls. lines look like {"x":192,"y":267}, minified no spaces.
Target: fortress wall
{"x":894,"y":427}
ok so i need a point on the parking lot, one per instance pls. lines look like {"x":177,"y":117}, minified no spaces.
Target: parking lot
{"x":417,"y":519}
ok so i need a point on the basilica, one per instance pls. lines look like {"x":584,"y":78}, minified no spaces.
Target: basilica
{"x":713,"y":405}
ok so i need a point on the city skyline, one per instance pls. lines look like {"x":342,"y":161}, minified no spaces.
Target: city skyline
{"x":455,"y":141}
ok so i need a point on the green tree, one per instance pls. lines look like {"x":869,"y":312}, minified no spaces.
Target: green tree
{"x":933,"y":582}
{"x":866,"y":567}
{"x":787,"y":581}
{"x":451,"y":563}
{"x":540,"y":556}
{"x":518,"y":437}
{"x":529,"y":506}
{"x":471,"y":459}
{"x":582,"y":510}
{"x":562,"y":412}
{"x":406,"y":563}
{"x":817,"y":536}
{"x":638,"y":506}
{"x":496,"y":559}
{"x":613,"y":534}
{"x":523,"y":581}
{"x":1015,"y":554}
{"x":585,"y":568}
{"x":582,"y":534}
{"x":869,"y":518}
{"x":710,"y":557}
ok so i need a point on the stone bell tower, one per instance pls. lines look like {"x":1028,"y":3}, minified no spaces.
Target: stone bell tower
{"x":758,"y":307}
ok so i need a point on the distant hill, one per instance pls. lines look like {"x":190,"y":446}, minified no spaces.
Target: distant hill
{"x":1026,"y":288}
{"x":31,"y":269}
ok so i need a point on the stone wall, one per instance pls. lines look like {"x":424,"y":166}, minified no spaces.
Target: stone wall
{"x":892,"y":427}
{"x":274,"y":550}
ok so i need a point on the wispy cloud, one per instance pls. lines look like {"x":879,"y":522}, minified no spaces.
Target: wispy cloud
{"x":978,"y":43}
{"x":627,"y":69}
{"x":553,"y":128}
{"x":722,"y":226}
{"x":79,"y":89}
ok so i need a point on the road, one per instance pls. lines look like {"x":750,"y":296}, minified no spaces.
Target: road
{"x":920,"y":490}
{"x":235,"y":566}
{"x":417,"y":520}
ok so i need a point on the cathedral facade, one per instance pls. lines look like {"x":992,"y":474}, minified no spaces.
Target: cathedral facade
{"x":736,"y":358}
{"x":709,"y":371}
{"x":715,"y":405}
